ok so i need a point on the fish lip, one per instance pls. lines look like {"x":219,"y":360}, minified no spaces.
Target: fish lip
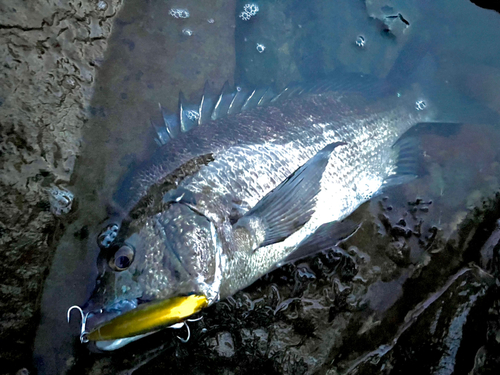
{"x":97,"y":317}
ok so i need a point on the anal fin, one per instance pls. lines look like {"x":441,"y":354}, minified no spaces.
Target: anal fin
{"x":326,"y":237}
{"x":289,"y":206}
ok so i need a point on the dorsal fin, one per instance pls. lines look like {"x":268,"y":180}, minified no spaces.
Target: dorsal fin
{"x":171,"y":122}
{"x":238,"y":100}
{"x":206,"y":105}
{"x":210,"y":108}
{"x":188,"y":114}
{"x":230,"y":102}
{"x":168,"y":129}
{"x":223,"y":102}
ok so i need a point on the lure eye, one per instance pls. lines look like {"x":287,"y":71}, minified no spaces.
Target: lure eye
{"x":122,"y":259}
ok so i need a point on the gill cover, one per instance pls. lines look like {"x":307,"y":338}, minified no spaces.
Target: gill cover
{"x":190,"y":249}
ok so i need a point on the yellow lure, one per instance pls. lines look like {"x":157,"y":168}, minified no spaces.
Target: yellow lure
{"x":148,"y":317}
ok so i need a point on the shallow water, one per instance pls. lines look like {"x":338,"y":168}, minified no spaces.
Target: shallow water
{"x":324,"y":314}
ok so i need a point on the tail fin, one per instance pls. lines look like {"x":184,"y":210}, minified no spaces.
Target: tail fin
{"x":417,"y":64}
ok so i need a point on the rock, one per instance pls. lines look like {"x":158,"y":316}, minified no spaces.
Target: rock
{"x":49,"y":55}
{"x":222,"y":344}
{"x":441,"y":335}
{"x":257,"y":338}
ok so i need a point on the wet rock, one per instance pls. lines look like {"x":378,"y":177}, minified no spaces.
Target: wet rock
{"x":257,"y":338}
{"x":399,"y":252}
{"x":490,"y":252}
{"x":486,"y":5}
{"x":222,"y":344}
{"x":441,"y":335}
{"x":60,"y":199}
{"x":303,"y":44}
{"x":49,"y":53}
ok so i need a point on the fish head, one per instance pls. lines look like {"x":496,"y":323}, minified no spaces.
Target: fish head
{"x":159,"y":270}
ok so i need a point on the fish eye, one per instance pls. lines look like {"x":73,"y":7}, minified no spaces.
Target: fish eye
{"x":123,"y":258}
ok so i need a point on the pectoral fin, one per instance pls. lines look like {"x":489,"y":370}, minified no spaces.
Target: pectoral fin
{"x":290,"y":205}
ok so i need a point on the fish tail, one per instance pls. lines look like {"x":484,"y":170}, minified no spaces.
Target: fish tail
{"x":419,"y":64}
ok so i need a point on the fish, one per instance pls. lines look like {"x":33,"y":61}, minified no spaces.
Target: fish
{"x":243,"y":183}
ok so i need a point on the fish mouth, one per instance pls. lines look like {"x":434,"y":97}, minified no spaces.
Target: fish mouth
{"x":127,"y":320}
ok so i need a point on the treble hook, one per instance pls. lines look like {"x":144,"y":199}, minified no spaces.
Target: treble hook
{"x":184,"y":324}
{"x":179,"y":326}
{"x":83,"y":332}
{"x":71,"y":308}
{"x":187,"y":338}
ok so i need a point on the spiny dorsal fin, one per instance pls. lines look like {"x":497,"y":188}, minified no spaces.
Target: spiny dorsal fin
{"x":223,"y":102}
{"x":238,"y":100}
{"x":211,"y":108}
{"x":206,"y":105}
{"x":171,"y":122}
{"x":168,"y":129}
{"x":230,"y":102}
{"x":188,"y":114}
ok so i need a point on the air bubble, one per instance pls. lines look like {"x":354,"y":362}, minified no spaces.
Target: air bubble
{"x":249,"y":10}
{"x":179,"y":13}
{"x":210,"y":20}
{"x":260,"y":48}
{"x":420,"y":105}
{"x":192,"y":115}
{"x":60,"y":200}
{"x":245,"y":16}
{"x":187,"y":32}
{"x":360,"y":42}
{"x":108,"y":235}
{"x":102,"y":5}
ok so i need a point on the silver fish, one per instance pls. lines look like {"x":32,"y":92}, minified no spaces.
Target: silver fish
{"x":244,"y":184}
